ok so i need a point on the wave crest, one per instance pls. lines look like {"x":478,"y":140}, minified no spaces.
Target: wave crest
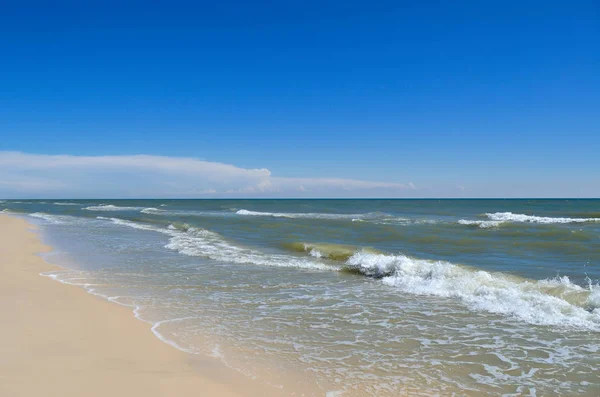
{"x":511,"y":217}
{"x":152,"y":211}
{"x":109,"y":207}
{"x":337,"y":252}
{"x":499,"y":218}
{"x":193,"y":241}
{"x":306,"y":215}
{"x":545,"y":302}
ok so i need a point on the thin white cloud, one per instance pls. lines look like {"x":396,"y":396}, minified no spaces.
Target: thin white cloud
{"x":161,"y":176}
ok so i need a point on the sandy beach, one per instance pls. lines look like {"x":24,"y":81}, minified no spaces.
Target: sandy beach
{"x":58,"y":340}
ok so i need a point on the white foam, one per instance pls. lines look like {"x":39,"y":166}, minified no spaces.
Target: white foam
{"x":315,"y":253}
{"x":109,"y":207}
{"x":199,"y":242}
{"x":135,"y":225}
{"x":168,"y":341}
{"x":510,"y":217}
{"x":55,"y":219}
{"x":302,"y":215}
{"x":59,"y":203}
{"x":152,"y":211}
{"x":204,"y":243}
{"x":527,"y":300}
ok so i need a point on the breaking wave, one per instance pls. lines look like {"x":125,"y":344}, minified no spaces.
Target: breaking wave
{"x":337,"y":252}
{"x":193,"y":241}
{"x":110,"y":207}
{"x":47,"y":217}
{"x":152,"y":211}
{"x":556,"y":302}
{"x":498,"y":218}
{"x":306,"y":215}
{"x":510,"y":217}
{"x":550,"y":302}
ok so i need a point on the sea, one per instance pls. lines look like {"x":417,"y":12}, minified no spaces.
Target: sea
{"x":351,"y":297}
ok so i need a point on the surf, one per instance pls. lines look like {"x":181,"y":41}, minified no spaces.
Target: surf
{"x":497,"y":219}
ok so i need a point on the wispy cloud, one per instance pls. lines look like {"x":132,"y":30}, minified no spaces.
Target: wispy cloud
{"x":23,"y":174}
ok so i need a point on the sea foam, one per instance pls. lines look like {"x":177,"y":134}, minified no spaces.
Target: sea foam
{"x":499,"y":218}
{"x":510,"y":217}
{"x":152,"y":211}
{"x":110,"y":207}
{"x":300,"y":215}
{"x":556,"y":302}
{"x":204,"y":243}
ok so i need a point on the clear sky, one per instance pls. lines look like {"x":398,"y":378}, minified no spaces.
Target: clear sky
{"x":300,"y":98}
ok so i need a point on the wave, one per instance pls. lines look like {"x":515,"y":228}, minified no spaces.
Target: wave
{"x":555,"y":302}
{"x":15,"y":211}
{"x":551,"y":302}
{"x":510,"y":217}
{"x":179,"y":213}
{"x":193,"y":241}
{"x":306,"y":215}
{"x":499,"y":218}
{"x":47,"y":217}
{"x":59,"y":203}
{"x":110,"y":207}
{"x":152,"y":211}
{"x":337,"y":252}
{"x":134,"y":225}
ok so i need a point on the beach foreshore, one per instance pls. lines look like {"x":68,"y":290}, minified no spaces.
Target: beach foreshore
{"x":58,"y":340}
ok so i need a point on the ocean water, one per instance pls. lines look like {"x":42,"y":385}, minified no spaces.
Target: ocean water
{"x":352,"y":297}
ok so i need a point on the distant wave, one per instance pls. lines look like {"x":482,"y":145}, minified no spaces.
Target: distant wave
{"x":60,"y":203}
{"x":110,"y":207}
{"x":152,"y":211}
{"x":499,"y":218}
{"x":366,"y":217}
{"x":180,"y":213}
{"x":370,"y":217}
{"x":296,"y":215}
{"x":510,"y":217}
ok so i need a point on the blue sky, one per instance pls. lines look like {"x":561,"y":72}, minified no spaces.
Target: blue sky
{"x":398,"y":99}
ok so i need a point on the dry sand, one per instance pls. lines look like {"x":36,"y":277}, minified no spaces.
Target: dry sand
{"x":58,"y":340}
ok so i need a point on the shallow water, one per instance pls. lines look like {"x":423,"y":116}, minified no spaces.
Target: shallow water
{"x":360,"y":297}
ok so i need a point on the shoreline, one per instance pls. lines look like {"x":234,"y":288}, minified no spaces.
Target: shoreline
{"x":60,"y":340}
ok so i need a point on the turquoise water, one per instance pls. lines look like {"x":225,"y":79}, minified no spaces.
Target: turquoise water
{"x":352,"y":297}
